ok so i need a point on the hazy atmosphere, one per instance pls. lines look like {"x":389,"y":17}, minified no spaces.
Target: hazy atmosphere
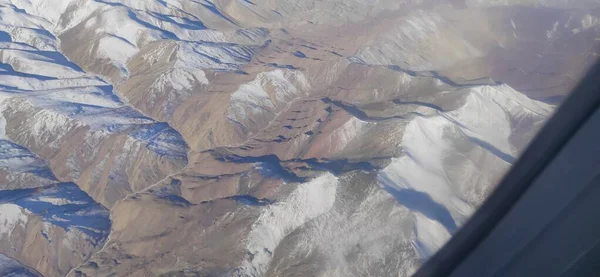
{"x":233,"y":138}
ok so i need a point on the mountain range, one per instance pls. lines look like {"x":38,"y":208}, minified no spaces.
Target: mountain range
{"x":266,"y":137}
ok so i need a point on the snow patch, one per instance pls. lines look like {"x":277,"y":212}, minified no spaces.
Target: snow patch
{"x":341,"y":137}
{"x":430,"y":236}
{"x":11,"y":216}
{"x":589,"y":21}
{"x":452,"y":160}
{"x":309,"y":201}
{"x":57,"y":201}
{"x":179,"y":79}
{"x":118,"y":50}
{"x":267,"y":92}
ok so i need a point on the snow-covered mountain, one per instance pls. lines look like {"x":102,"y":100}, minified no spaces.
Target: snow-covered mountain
{"x":266,"y":137}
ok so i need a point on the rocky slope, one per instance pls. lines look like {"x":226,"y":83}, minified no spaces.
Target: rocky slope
{"x":266,"y":138}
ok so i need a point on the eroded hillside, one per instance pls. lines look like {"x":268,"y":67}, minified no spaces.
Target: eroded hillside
{"x":263,"y":137}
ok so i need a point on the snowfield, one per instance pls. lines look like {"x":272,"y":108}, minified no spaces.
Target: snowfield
{"x":451,"y":160}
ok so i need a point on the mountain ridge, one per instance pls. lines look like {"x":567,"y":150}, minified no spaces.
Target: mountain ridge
{"x":247,"y":136}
